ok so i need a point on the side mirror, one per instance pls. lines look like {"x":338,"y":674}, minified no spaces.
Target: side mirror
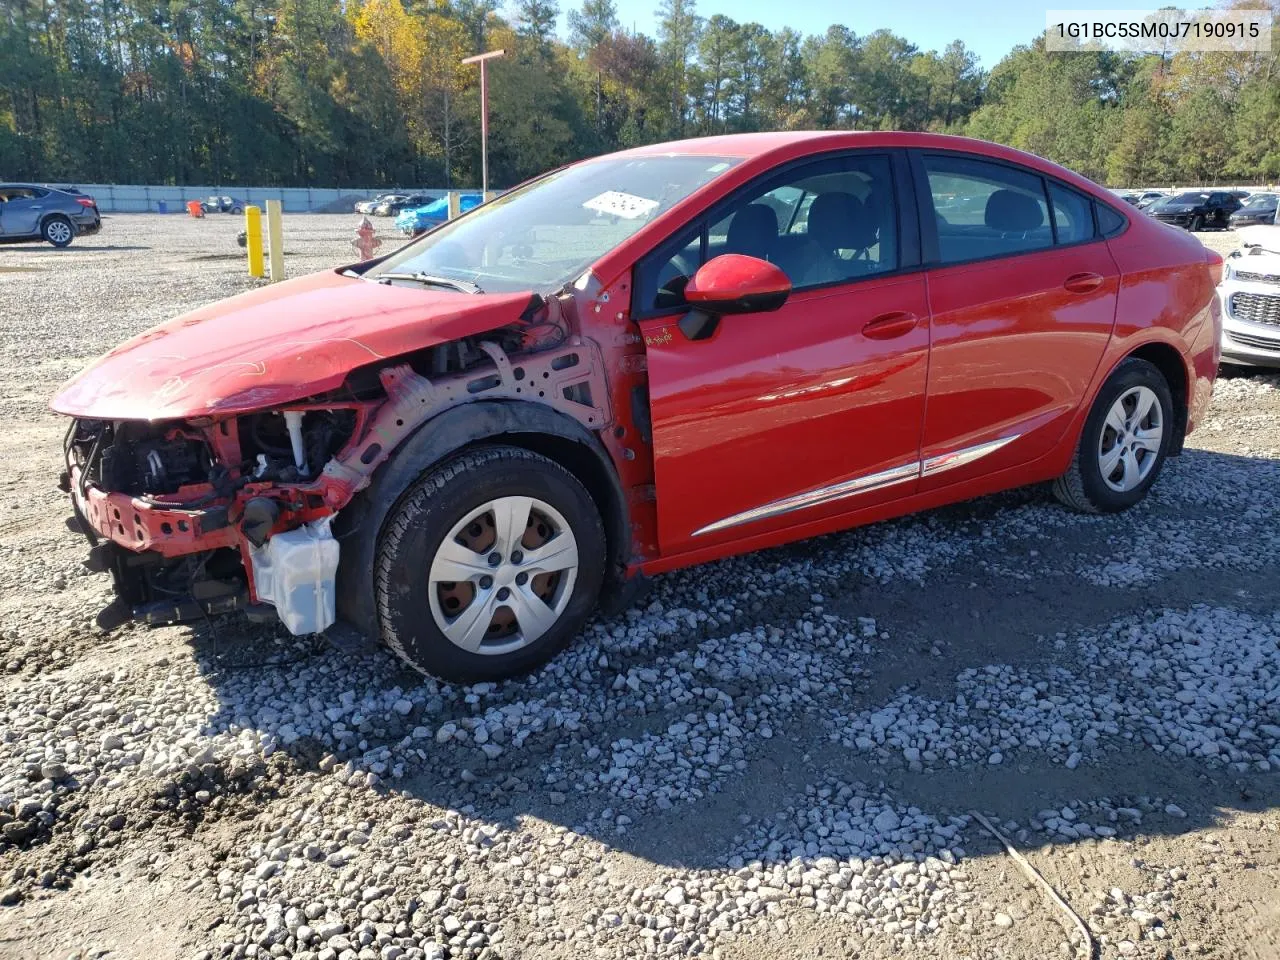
{"x":735,"y":283}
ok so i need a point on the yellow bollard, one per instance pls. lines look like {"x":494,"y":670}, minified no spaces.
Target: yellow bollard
{"x":275,"y":241}
{"x":253,"y":240}
{"x":455,"y":204}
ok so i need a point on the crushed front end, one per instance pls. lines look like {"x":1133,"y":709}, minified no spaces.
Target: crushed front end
{"x":184,"y":514}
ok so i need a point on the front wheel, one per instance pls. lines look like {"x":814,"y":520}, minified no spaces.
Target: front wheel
{"x":1197,"y":223}
{"x":1123,"y":444}
{"x":58,"y":231}
{"x":489,"y":565}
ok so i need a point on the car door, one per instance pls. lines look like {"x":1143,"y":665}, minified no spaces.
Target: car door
{"x":1217,"y":210}
{"x":1022,"y":300}
{"x":783,"y":419}
{"x":20,"y":215}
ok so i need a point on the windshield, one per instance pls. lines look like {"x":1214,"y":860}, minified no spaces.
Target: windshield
{"x":1261,"y":200}
{"x":546,"y":234}
{"x":1189,"y":198}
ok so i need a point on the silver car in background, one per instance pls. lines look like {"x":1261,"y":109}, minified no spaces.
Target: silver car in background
{"x":56,"y":215}
{"x":1250,"y":298}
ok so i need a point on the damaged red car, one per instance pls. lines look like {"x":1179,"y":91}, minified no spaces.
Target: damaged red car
{"x":632,"y":364}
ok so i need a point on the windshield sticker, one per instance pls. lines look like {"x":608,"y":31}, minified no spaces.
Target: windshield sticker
{"x":624,"y":205}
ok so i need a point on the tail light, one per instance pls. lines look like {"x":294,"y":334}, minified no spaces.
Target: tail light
{"x":1215,"y":266}
{"x":86,"y":201}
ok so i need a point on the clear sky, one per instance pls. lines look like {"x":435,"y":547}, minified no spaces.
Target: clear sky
{"x":990,"y":28}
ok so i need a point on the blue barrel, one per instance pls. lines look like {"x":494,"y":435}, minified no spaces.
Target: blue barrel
{"x":162,"y":207}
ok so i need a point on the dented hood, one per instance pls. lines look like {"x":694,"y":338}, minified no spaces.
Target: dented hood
{"x":273,"y":346}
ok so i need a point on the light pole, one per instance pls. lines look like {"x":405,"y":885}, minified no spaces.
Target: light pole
{"x":483,"y":59}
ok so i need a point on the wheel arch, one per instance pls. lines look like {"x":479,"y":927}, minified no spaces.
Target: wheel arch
{"x":1169,"y":361}
{"x":532,"y":426}
{"x":57,"y":215}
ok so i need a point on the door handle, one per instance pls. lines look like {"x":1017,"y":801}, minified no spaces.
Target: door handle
{"x":1083,"y":282}
{"x":890,"y":325}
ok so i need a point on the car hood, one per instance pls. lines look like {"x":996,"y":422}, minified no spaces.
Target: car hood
{"x":274,"y":345}
{"x":1265,"y":236}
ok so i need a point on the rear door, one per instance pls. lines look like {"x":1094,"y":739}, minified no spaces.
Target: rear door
{"x":1022,"y":297}
{"x":20,"y":215}
{"x":786,"y":418}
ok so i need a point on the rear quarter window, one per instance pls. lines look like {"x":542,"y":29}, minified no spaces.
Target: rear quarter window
{"x":1109,"y":221}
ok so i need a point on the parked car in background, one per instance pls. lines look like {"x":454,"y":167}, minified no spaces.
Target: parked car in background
{"x":222,"y":205}
{"x":418,"y":220}
{"x":1260,"y":208}
{"x":29,"y":211}
{"x":366,"y":206}
{"x":633,"y":364}
{"x":1196,"y":209}
{"x":1139,"y":198}
{"x":1148,"y":197}
{"x":1250,"y":298}
{"x":393,"y":205}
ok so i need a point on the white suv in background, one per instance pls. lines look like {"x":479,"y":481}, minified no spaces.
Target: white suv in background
{"x":1250,"y":294}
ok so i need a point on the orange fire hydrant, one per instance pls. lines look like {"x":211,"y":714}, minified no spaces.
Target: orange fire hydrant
{"x":365,"y":241}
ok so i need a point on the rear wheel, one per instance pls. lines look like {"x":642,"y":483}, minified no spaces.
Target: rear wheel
{"x":1124,"y":442}
{"x":58,"y":231}
{"x":489,"y":565}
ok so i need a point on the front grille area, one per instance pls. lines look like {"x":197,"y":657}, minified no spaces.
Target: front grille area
{"x":1256,"y":308}
{"x":1257,"y":277}
{"x":1262,"y":343}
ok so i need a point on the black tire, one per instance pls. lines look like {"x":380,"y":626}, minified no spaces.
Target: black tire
{"x":426,"y":513}
{"x":1197,"y":223}
{"x":237,"y":209}
{"x":1083,"y":487}
{"x":58,"y":231}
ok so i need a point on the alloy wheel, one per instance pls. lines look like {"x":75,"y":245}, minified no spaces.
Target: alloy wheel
{"x":58,"y":232}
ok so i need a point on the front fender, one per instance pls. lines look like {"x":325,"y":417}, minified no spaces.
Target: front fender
{"x":359,"y":525}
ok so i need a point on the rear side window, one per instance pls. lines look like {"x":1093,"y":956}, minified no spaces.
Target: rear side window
{"x":1109,"y":222}
{"x":1072,"y":214}
{"x":986,"y":209}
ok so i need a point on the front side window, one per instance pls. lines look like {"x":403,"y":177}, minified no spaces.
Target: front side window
{"x":827,"y":222}
{"x":986,"y":209}
{"x":544,"y":235}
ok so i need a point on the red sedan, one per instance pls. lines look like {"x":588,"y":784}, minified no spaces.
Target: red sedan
{"x":633,"y":364}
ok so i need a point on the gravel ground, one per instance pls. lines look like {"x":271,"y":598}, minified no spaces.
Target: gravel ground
{"x":771,"y":756}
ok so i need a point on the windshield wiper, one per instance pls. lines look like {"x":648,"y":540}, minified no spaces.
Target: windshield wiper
{"x":462,"y":286}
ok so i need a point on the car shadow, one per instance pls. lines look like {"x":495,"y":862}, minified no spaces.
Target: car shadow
{"x":76,"y":246}
{"x":1002,"y":655}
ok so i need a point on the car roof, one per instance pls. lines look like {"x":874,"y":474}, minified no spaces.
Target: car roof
{"x":780,"y":146}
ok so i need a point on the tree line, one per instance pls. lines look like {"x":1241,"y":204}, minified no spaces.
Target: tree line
{"x":372,"y":92}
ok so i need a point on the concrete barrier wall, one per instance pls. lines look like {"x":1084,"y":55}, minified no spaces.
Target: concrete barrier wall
{"x":135,"y":198}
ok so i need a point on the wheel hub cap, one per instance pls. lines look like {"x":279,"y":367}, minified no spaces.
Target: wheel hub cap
{"x":1132,"y":436}
{"x":503,"y":575}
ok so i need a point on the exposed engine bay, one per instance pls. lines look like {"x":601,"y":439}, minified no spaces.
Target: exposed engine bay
{"x":214,"y":514}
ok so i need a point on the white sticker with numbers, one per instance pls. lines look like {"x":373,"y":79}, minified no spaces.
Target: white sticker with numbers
{"x":628,"y":206}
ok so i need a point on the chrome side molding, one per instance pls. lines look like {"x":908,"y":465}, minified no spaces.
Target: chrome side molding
{"x":863,"y":484}
{"x":958,"y":458}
